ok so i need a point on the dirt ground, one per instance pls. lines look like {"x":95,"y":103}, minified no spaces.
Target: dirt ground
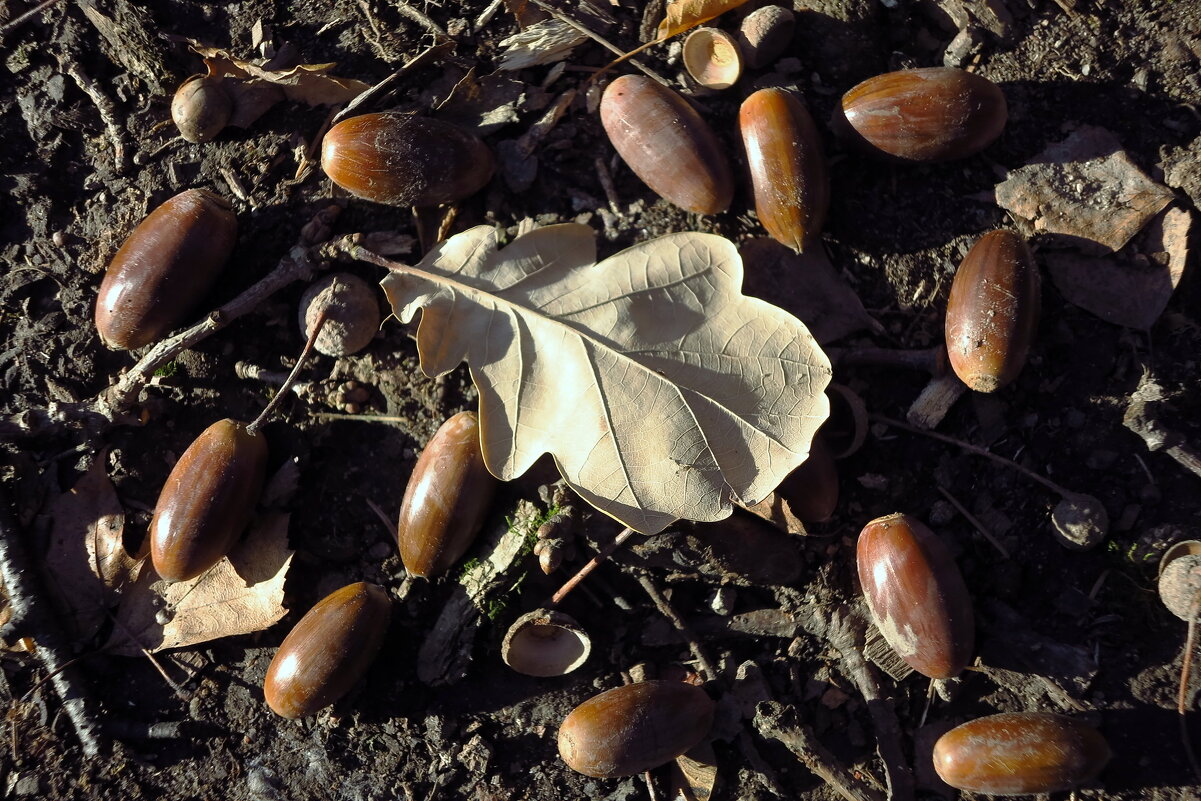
{"x":1079,"y":632}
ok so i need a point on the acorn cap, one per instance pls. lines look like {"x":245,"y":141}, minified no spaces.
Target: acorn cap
{"x":712,"y":58}
{"x":545,"y":643}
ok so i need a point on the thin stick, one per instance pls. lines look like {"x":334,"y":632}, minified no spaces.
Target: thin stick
{"x":265,"y":415}
{"x":967,"y":446}
{"x":108,"y":112}
{"x":680,"y":624}
{"x":17,"y":22}
{"x":988,"y":535}
{"x":421,"y":19}
{"x":931,"y":360}
{"x":383,"y":518}
{"x":775,"y":721}
{"x":1182,"y":698}
{"x":31,"y":617}
{"x":593,"y":563}
{"x":380,"y":418}
{"x":605,"y":43}
{"x":385,"y":86}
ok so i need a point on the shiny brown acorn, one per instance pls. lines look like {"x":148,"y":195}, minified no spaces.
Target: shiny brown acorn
{"x":405,"y":160}
{"x":812,"y":489}
{"x":1020,"y":753}
{"x":164,"y":268}
{"x":208,"y":500}
{"x":916,"y":595}
{"x":993,"y":310}
{"x":446,"y":498}
{"x":330,"y":649}
{"x":201,"y":108}
{"x":635,"y":728}
{"x":930,"y":114}
{"x":788,"y":167}
{"x":667,"y":144}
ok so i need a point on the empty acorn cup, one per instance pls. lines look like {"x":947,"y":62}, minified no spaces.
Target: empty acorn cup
{"x":545,"y":643}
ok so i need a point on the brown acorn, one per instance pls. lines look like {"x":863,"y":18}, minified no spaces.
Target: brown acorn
{"x":635,"y":728}
{"x":916,"y":595}
{"x":993,"y":310}
{"x":405,"y":160}
{"x":329,"y":650}
{"x":930,"y":114}
{"x":787,"y":165}
{"x":165,"y":268}
{"x":201,"y":108}
{"x":667,"y":144}
{"x":1020,"y":753}
{"x":446,"y":498}
{"x":208,"y":500}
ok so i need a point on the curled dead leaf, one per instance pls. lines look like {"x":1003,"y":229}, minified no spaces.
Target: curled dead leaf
{"x":684,"y":14}
{"x":658,"y":387}
{"x":243,"y":593}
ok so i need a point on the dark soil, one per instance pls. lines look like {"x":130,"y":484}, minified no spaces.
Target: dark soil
{"x":896,"y":233}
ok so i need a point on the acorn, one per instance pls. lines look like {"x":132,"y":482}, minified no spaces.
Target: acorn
{"x":930,"y":114}
{"x":201,"y":108}
{"x":667,"y":144}
{"x":405,"y":160}
{"x":1020,"y":753}
{"x":446,"y":498}
{"x":164,"y":268}
{"x":329,"y":650}
{"x":992,"y":312}
{"x":916,"y":595}
{"x":352,"y":312}
{"x":635,"y":728}
{"x":787,"y":165}
{"x":764,"y":35}
{"x":208,"y":500}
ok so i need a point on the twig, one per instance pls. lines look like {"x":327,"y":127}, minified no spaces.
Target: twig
{"x":593,"y":563}
{"x":385,"y":86}
{"x":389,"y":526}
{"x":775,"y":721}
{"x":108,"y":112}
{"x":17,"y":22}
{"x":31,"y":618}
{"x":600,"y":40}
{"x":252,"y":372}
{"x":976,"y":523}
{"x":421,"y":19}
{"x":606,"y":182}
{"x":681,"y":626}
{"x":931,"y":360}
{"x":967,"y":446}
{"x":1182,"y":698}
{"x":265,"y":415}
{"x":487,"y":15}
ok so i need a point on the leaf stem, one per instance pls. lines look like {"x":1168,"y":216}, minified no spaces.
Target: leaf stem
{"x":593,"y":563}
{"x":291,"y":379}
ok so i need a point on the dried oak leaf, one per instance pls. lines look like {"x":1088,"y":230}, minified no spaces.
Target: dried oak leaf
{"x":659,"y":389}
{"x":86,"y":563}
{"x":243,"y":593}
{"x":684,"y":14}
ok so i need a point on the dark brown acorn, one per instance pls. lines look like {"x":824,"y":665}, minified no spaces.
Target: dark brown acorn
{"x":329,"y":650}
{"x":787,"y":165}
{"x":405,"y":160}
{"x":667,"y":144}
{"x":1020,"y":753}
{"x":164,"y":268}
{"x":208,"y":500}
{"x":201,"y":108}
{"x":993,"y":310}
{"x":635,"y":728}
{"x":916,"y":595}
{"x":446,"y":498}
{"x":931,"y":114}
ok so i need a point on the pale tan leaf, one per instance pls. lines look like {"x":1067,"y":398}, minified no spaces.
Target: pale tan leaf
{"x":243,"y":593}
{"x":86,"y":563}
{"x":660,"y":390}
{"x":694,"y":774}
{"x":684,"y":14}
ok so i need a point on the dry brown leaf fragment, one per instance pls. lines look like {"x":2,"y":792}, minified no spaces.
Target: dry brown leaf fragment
{"x":304,"y":83}
{"x":243,"y":593}
{"x":684,"y":14}
{"x":694,"y":774}
{"x":658,"y":387}
{"x":86,"y":563}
